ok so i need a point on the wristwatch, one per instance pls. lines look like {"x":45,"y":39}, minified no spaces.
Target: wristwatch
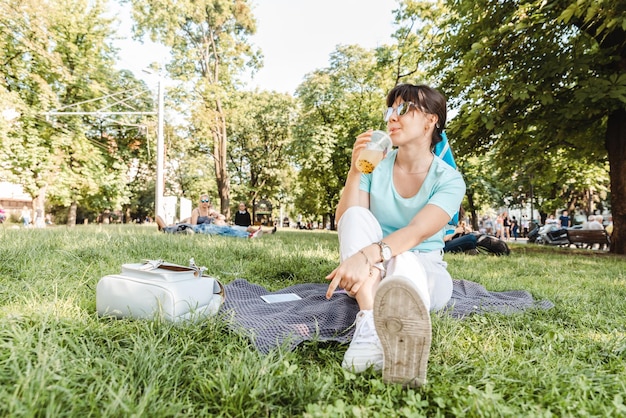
{"x":385,"y":251}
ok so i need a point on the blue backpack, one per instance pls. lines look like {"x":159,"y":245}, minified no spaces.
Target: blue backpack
{"x":443,"y":151}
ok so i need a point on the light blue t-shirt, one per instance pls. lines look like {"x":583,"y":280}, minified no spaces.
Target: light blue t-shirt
{"x":443,"y":187}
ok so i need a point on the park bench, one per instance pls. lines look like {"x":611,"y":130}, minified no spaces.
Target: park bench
{"x":588,"y":237}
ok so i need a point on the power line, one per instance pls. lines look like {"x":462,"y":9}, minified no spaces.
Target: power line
{"x":98,"y":113}
{"x":160,"y":122}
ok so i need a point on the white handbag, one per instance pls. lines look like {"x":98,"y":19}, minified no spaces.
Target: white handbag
{"x":158,"y":289}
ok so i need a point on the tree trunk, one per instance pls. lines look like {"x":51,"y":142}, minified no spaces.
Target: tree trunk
{"x":616,"y":148}
{"x":71,"y":214}
{"x":590,"y":209}
{"x":39,"y":207}
{"x":221,"y":162}
{"x":253,"y":210}
{"x":472,"y":209}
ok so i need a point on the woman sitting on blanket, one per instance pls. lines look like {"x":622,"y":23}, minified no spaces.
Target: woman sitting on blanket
{"x":391,"y":227}
{"x":206,"y":214}
{"x":206,"y":220}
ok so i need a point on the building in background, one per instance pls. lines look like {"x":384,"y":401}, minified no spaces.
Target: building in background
{"x":13,"y":198}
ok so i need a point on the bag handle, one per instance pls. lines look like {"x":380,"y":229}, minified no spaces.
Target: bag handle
{"x":218,"y":287}
{"x":156,"y":264}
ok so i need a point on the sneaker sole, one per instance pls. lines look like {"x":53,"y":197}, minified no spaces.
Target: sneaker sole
{"x":404,"y":329}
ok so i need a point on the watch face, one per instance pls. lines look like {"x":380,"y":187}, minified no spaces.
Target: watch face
{"x":386,"y":253}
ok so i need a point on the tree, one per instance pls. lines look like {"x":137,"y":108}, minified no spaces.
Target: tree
{"x":605,"y":23}
{"x":552,"y":68}
{"x":130,"y":144}
{"x":190,"y":167}
{"x":411,"y":57}
{"x":57,"y":53}
{"x":560,"y":177}
{"x":481,"y":185}
{"x":208,"y":40}
{"x":337,"y":104}
{"x":89,"y":59}
{"x":27,"y":59}
{"x":260,"y":126}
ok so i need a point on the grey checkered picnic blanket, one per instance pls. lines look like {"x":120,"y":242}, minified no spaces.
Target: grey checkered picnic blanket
{"x":287,"y":324}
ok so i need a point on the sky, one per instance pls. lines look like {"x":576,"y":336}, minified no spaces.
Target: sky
{"x":295,"y":37}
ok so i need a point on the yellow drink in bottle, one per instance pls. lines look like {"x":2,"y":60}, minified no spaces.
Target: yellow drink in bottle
{"x":368,"y":160}
{"x":373,"y":152}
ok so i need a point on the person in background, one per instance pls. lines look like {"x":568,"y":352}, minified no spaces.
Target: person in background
{"x":39,"y":219}
{"x":390,"y":228}
{"x":564,"y":219}
{"x":460,"y":240}
{"x":488,"y":224}
{"x":609,"y":226}
{"x":206,"y":220}
{"x":499,"y":226}
{"x":242,"y":217}
{"x":506,"y":226}
{"x":25,"y":216}
{"x":514,"y":228}
{"x":552,"y":221}
{"x":206,"y":214}
{"x":592,"y":222}
{"x":525,"y":224}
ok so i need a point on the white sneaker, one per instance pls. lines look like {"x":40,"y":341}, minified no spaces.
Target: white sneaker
{"x":365,"y":349}
{"x":403,"y":325}
{"x":256,"y":234}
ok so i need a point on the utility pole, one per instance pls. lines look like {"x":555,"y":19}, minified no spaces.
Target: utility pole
{"x":160,"y":168}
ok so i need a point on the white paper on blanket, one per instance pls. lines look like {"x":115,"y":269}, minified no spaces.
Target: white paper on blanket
{"x":281,"y":297}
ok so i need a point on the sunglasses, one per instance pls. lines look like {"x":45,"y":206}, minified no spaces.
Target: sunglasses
{"x":204,"y":200}
{"x":401,"y":110}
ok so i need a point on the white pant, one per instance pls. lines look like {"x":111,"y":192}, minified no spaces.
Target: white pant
{"x":359,"y":228}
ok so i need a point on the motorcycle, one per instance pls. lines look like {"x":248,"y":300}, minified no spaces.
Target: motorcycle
{"x":552,"y":235}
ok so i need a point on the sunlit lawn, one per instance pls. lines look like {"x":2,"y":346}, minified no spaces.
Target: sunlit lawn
{"x":57,"y":358}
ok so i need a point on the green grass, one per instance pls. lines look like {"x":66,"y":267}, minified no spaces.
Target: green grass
{"x":57,"y":358}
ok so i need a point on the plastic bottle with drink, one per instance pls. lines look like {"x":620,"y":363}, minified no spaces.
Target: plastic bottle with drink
{"x":373,"y":152}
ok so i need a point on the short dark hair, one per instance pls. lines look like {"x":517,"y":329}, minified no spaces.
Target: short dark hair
{"x":426,"y":99}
